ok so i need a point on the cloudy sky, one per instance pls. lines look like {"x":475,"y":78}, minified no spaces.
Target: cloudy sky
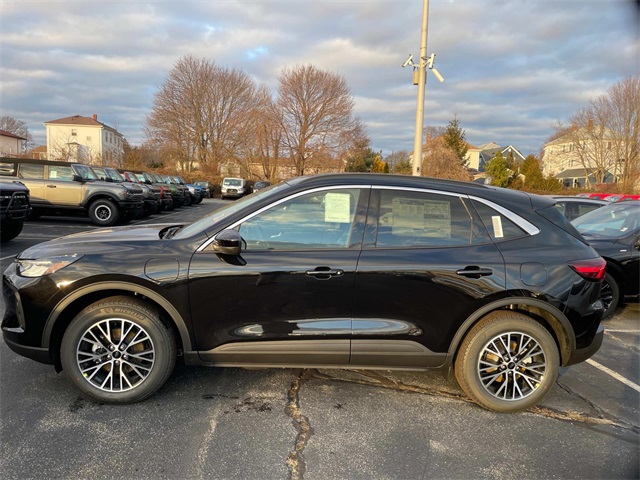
{"x":512,"y":68}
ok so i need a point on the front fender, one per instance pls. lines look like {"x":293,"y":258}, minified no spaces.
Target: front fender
{"x":176,"y":317}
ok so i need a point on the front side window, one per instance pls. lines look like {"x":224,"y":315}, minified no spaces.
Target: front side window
{"x":421,"y":219}
{"x":318,"y":220}
{"x":60,"y":173}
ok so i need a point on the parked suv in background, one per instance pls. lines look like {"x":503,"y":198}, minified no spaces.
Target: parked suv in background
{"x":150,"y":193}
{"x":207,"y":188}
{"x":72,"y":188}
{"x":358,"y":271}
{"x":14,"y":209}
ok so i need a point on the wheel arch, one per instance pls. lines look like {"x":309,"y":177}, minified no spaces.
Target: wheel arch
{"x":550,"y":317}
{"x":74,"y":303}
{"x":100,"y":196}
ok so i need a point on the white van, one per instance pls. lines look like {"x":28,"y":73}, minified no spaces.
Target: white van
{"x":234,"y":188}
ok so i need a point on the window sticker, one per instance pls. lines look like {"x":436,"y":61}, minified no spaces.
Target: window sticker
{"x":337,"y":207}
{"x":423,"y":218}
{"x":497,"y":226}
{"x":53,"y":174}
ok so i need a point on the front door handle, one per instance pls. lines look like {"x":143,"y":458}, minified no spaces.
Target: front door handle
{"x":474,"y":272}
{"x":51,"y":186}
{"x":324,"y":273}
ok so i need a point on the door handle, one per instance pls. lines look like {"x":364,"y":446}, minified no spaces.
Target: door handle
{"x":324,"y":273}
{"x":51,"y":186}
{"x":474,"y":272}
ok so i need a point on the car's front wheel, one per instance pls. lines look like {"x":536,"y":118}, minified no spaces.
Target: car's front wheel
{"x":118,"y":350}
{"x":10,"y":230}
{"x":507,"y":362}
{"x":104,"y":212}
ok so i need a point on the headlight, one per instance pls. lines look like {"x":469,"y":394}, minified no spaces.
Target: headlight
{"x":45,"y":266}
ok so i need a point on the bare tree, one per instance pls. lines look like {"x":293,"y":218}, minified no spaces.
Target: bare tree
{"x":17,"y":127}
{"x":315,"y":113}
{"x":605,"y":135}
{"x":202,"y":113}
{"x":623,"y":104}
{"x":441,"y":161}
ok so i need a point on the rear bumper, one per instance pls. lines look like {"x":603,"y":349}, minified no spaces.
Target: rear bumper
{"x":582,"y":354}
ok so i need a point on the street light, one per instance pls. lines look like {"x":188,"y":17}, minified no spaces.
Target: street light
{"x":419,"y":71}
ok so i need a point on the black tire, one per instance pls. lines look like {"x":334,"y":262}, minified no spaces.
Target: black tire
{"x":109,"y":367}
{"x":609,"y":295}
{"x":10,"y":230}
{"x":104,"y":213}
{"x":513,"y":380}
{"x":188,"y":201}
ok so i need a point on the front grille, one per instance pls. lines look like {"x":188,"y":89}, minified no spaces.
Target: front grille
{"x":134,"y":197}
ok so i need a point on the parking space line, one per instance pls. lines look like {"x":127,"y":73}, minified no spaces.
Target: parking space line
{"x":615,"y":375}
{"x":613,"y":330}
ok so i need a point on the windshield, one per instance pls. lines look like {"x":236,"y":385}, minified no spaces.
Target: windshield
{"x":114,"y":174}
{"x":140,"y":177}
{"x":232,"y":182}
{"x":614,"y":221}
{"x":206,"y":222}
{"x":85,"y":172}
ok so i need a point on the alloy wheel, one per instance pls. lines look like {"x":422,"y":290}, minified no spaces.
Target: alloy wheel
{"x":115,"y":355}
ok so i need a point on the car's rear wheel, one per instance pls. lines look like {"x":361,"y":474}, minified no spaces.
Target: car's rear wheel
{"x":609,"y":295}
{"x":507,"y":362}
{"x":118,"y":350}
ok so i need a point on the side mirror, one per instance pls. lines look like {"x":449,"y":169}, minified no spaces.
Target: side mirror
{"x":77,"y":178}
{"x":228,"y":242}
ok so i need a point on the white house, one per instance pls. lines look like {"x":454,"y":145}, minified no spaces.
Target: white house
{"x":11,"y":144}
{"x":84,"y":139}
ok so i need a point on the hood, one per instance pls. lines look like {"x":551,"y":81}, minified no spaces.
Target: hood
{"x":104,"y":240}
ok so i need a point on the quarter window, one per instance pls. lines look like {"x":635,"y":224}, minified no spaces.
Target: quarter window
{"x":500,"y":228}
{"x":319,"y":220}
{"x":420,"y":219}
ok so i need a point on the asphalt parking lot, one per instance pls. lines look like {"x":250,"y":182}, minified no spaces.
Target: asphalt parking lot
{"x":317,"y":424}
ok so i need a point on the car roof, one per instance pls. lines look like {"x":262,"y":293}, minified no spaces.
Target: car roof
{"x":503,"y":195}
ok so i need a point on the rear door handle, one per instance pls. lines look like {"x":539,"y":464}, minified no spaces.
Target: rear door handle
{"x":324,"y":273}
{"x":474,"y":272}
{"x":51,"y":186}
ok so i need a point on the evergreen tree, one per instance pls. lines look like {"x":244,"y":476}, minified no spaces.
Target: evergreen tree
{"x":454,"y":138}
{"x":499,"y":171}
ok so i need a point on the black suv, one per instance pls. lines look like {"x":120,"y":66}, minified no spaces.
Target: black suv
{"x":356,"y":271}
{"x":14,"y":209}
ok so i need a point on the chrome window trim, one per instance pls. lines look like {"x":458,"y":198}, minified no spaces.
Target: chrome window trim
{"x":275,"y":204}
{"x":527,"y":226}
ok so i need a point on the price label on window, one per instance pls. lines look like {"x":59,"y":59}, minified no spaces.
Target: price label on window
{"x":337,"y":208}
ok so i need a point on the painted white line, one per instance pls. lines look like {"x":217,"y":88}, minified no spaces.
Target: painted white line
{"x":615,"y":375}
{"x":613,"y":330}
{"x":10,"y":256}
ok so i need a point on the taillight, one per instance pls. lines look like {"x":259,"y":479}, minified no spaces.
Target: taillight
{"x":591,"y":269}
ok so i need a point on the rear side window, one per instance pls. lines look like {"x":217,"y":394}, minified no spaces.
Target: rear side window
{"x":500,"y":228}
{"x":421,"y":219}
{"x":34,"y":172}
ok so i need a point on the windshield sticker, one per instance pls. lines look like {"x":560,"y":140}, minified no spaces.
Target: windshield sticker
{"x":497,"y":226}
{"x":337,"y":207}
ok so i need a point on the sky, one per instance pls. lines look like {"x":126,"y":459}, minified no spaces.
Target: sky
{"x":513,"y":69}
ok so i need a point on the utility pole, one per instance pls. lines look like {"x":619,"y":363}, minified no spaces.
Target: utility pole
{"x":422,"y":80}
